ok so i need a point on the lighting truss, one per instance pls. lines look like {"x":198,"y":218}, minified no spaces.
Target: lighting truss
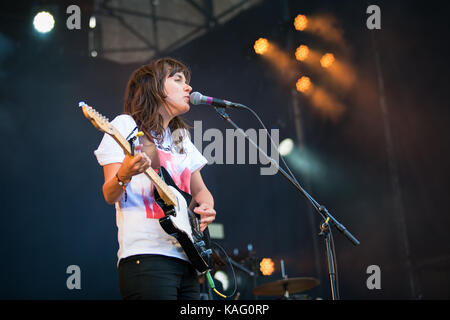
{"x":137,"y":30}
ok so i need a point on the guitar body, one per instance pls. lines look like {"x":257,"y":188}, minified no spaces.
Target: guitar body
{"x":183,"y":224}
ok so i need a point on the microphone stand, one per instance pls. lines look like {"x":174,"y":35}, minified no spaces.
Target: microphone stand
{"x":241,"y":267}
{"x":324,"y":227}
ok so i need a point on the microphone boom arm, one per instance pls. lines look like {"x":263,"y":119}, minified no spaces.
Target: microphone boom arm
{"x":320,"y":209}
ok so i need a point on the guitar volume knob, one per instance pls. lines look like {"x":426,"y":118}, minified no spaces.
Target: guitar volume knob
{"x":206,"y":253}
{"x":200,"y":244}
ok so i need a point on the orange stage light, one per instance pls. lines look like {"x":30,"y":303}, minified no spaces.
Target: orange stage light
{"x":303,"y":84}
{"x":327,"y":60}
{"x":300,"y":22}
{"x":302,"y":53}
{"x":261,"y":46}
{"x":267,"y":266}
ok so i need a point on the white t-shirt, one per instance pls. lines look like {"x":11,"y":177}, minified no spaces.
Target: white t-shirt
{"x":137,"y":219}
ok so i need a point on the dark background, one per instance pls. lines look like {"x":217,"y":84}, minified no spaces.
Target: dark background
{"x":52,"y":210}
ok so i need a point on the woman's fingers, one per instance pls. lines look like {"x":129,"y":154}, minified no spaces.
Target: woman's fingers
{"x":141,"y":162}
{"x":138,"y":147}
{"x":207,"y":215}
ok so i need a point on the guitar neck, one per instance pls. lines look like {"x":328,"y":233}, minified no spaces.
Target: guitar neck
{"x":102,"y":124}
{"x":163,"y":190}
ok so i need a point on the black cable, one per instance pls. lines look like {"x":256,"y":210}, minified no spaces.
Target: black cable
{"x":232,"y":270}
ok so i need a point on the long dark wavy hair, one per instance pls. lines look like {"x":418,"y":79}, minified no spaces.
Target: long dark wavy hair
{"x":144,"y":96}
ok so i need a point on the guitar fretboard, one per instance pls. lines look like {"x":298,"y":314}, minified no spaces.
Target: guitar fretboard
{"x":163,"y":190}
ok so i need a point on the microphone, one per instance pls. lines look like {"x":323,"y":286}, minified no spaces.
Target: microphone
{"x":197,"y":98}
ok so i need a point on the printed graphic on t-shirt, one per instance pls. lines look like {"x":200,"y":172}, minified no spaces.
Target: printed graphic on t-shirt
{"x":181,"y":179}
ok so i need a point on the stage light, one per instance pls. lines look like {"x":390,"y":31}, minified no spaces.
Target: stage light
{"x":43,"y":22}
{"x":286,"y":147}
{"x":327,"y":60}
{"x":302,"y":53}
{"x":223,"y":278}
{"x":303,"y":84}
{"x":92,"y":22}
{"x":94,"y":53}
{"x":300,"y":22}
{"x":261,"y":46}
{"x":266,"y":266}
{"x":306,"y":163}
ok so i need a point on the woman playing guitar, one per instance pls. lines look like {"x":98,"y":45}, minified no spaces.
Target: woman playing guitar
{"x":151,"y":263}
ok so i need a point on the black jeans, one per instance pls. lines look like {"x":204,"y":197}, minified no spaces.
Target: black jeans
{"x":157,"y":277}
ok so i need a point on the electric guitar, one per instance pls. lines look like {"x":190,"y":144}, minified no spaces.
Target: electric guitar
{"x":178,"y":221}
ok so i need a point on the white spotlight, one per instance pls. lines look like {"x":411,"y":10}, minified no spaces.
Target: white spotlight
{"x":43,"y":22}
{"x":286,"y":146}
{"x":92,"y":22}
{"x":223,"y":278}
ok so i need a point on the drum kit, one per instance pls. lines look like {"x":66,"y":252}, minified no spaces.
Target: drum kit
{"x":286,"y":287}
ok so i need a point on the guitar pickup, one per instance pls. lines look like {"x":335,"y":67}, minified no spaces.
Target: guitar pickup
{"x":171,"y":212}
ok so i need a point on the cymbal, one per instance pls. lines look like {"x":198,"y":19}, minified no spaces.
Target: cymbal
{"x":292,"y":285}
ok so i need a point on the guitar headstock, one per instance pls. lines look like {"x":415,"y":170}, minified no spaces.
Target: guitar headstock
{"x":97,"y":119}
